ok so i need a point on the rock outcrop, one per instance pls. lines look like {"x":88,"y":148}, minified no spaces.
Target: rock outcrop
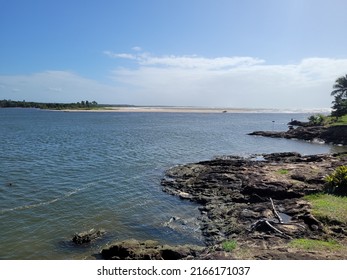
{"x":149,"y":250}
{"x":334,"y":134}
{"x":256,"y":201}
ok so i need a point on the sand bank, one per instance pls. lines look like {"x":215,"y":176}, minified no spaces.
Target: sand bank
{"x":143,"y":109}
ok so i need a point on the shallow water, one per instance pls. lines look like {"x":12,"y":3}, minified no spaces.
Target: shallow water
{"x":62,"y":173}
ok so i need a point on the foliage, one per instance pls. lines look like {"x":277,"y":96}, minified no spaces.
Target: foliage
{"x":229,"y":245}
{"x":339,"y":107}
{"x":340,"y":94}
{"x":329,"y":207}
{"x":337,"y":181}
{"x":317,"y":245}
{"x":317,"y":119}
{"x":52,"y":106}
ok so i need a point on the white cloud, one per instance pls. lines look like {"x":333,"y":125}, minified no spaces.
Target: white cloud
{"x":137,"y":49}
{"x":187,"y":61}
{"x":231,"y":81}
{"x":188,"y":81}
{"x":120,"y":55}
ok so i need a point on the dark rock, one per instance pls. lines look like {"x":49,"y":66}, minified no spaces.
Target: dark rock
{"x":282,"y":157}
{"x":312,"y":222}
{"x":276,"y":191}
{"x":87,"y":236}
{"x":149,"y":250}
{"x":235,"y":193}
{"x":299,"y":123}
{"x":272,"y":134}
{"x":333,"y":134}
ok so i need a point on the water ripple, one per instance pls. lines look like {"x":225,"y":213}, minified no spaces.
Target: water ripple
{"x":29,"y":206}
{"x":73,"y":172}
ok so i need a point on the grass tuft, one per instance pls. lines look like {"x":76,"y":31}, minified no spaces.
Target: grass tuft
{"x":315,"y":245}
{"x":282,"y":171}
{"x":229,"y":245}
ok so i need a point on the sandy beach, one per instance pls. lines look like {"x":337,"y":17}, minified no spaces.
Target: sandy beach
{"x":155,"y":109}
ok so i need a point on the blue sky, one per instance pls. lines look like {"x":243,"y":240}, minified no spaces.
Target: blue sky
{"x":216,"y":53}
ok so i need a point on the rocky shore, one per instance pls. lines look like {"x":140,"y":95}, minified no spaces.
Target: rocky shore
{"x":257,"y":202}
{"x":333,"y":134}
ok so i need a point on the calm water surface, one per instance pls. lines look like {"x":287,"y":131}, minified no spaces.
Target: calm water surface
{"x":62,"y":173}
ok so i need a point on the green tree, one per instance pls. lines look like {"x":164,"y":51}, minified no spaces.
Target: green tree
{"x":340,"y":93}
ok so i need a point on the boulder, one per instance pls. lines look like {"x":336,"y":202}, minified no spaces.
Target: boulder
{"x":87,"y":236}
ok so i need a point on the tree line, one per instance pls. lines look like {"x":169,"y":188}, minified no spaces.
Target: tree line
{"x":52,"y":106}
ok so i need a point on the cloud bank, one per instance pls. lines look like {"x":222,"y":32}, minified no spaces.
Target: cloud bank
{"x":188,"y":81}
{"x":230,"y":81}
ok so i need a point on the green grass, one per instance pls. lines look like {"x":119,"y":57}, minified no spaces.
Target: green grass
{"x":329,"y":207}
{"x":333,"y":122}
{"x":229,"y":245}
{"x":282,"y":171}
{"x":315,"y":245}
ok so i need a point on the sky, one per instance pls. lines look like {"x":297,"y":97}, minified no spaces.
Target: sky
{"x":210,"y":53}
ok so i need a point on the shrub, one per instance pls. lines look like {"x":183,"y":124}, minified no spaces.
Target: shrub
{"x":317,"y":119}
{"x":337,"y":181}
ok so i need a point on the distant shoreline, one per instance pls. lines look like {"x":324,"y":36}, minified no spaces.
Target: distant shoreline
{"x":164,"y":109}
{"x":178,"y":109}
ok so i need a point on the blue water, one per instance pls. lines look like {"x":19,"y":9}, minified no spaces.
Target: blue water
{"x":62,"y":173}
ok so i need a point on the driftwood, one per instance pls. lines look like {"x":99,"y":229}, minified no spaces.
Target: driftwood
{"x":270,"y":225}
{"x":275,"y":211}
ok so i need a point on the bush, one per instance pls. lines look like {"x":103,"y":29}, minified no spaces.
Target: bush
{"x":337,"y":181}
{"x":317,"y":119}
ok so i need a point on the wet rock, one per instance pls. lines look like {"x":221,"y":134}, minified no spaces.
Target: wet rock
{"x":149,"y":250}
{"x":87,"y":236}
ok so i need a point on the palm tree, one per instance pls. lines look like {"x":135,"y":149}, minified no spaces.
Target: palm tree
{"x":340,"y":87}
{"x":340,"y":93}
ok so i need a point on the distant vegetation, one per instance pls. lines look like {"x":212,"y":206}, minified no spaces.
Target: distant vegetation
{"x":83,"y":105}
{"x":339,"y":108}
{"x":322,"y":120}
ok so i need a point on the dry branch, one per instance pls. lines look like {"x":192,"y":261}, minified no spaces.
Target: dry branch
{"x":275,"y":211}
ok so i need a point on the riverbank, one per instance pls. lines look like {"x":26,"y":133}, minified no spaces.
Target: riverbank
{"x":251,"y":208}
